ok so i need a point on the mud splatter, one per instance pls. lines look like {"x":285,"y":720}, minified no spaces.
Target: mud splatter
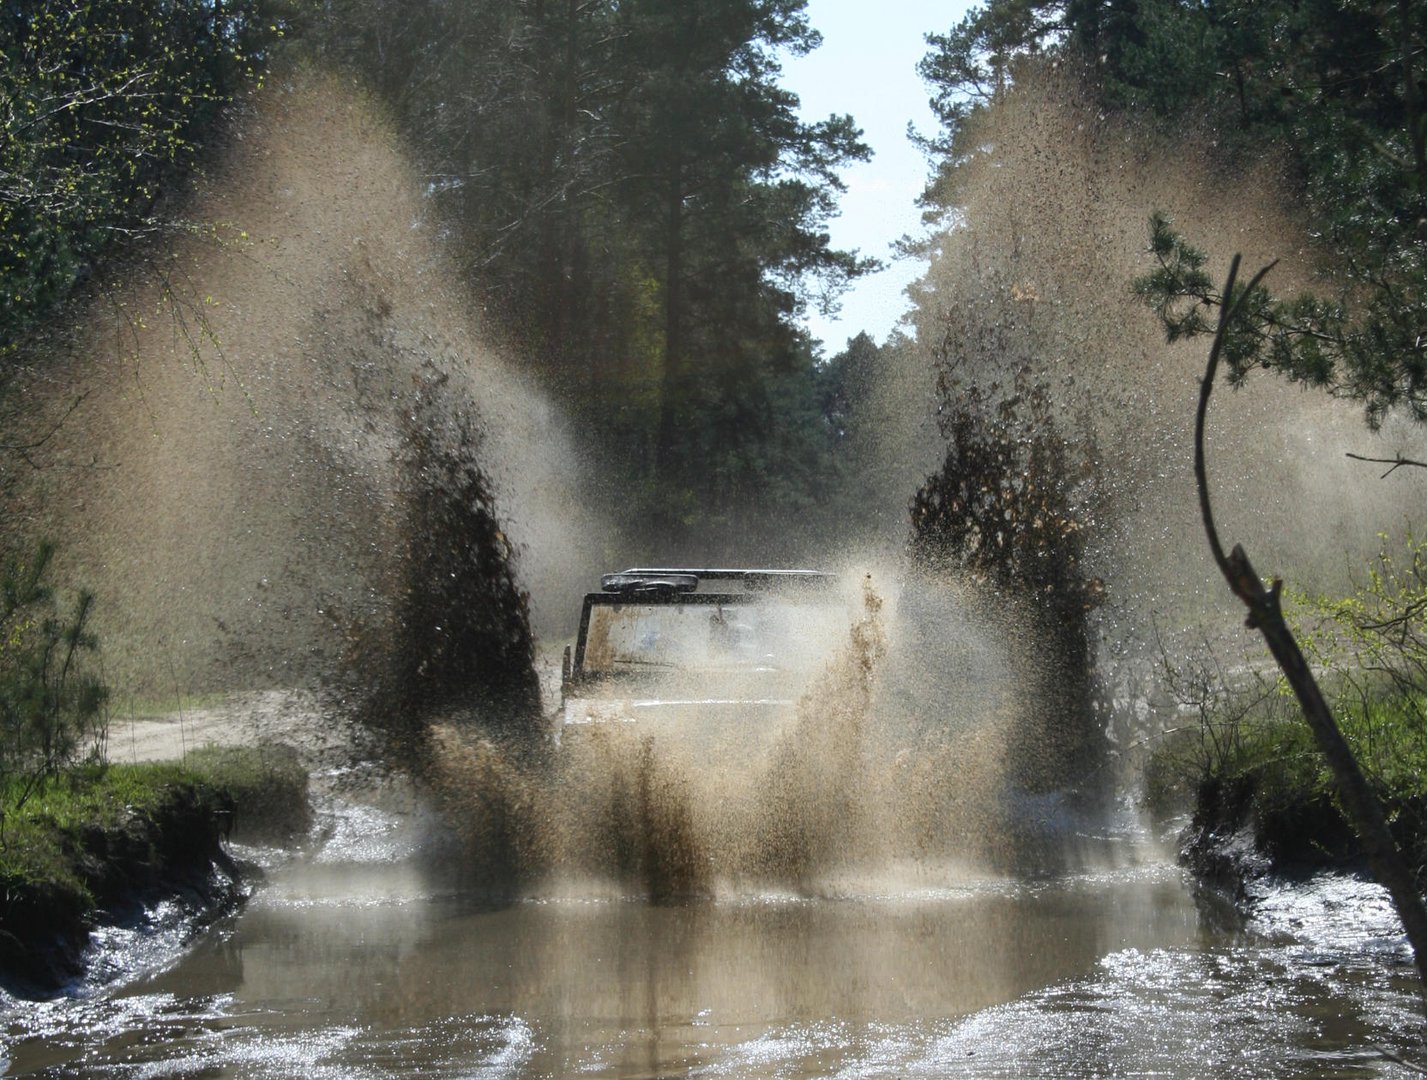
{"x":842,"y":795}
{"x":246,"y":484}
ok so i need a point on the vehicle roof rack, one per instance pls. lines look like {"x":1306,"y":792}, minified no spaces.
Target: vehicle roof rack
{"x":656,"y":579}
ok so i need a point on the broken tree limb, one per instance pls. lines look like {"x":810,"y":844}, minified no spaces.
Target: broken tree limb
{"x":1396,"y":463}
{"x":1360,"y":803}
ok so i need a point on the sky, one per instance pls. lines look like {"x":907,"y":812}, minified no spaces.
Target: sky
{"x":866,"y":66}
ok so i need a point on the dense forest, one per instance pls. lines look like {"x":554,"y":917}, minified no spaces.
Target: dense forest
{"x":634,"y":196}
{"x":639,"y":214}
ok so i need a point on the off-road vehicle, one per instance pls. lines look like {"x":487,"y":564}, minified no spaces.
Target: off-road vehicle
{"x":680,"y":647}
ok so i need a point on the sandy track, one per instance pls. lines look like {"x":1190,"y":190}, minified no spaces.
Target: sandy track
{"x":285,"y":716}
{"x":294,"y":717}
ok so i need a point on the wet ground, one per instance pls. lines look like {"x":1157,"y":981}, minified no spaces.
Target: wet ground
{"x":365,"y":958}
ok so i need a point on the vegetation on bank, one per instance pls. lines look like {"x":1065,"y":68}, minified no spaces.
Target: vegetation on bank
{"x":102,"y":838}
{"x":79,"y":835}
{"x":1248,"y":761}
{"x":259,"y":792}
{"x":52,"y":693}
{"x":1261,"y":770}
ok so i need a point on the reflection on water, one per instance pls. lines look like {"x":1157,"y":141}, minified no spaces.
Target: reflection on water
{"x":361,"y":966}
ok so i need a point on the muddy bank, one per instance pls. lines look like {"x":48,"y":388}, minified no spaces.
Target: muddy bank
{"x":1236,"y":836}
{"x":117,"y":843}
{"x":176,"y":851}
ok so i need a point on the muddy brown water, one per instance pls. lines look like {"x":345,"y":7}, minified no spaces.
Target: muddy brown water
{"x":362,"y":958}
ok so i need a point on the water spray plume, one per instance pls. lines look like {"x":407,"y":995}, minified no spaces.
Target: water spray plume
{"x":259,"y":500}
{"x":286,"y":504}
{"x":850,"y":791}
{"x":1034,"y":273}
{"x":292,"y":432}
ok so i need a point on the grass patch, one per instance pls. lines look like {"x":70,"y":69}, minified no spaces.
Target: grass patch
{"x":42,"y":839}
{"x":53,"y":843}
{"x":1259,"y":767}
{"x":1251,"y":761}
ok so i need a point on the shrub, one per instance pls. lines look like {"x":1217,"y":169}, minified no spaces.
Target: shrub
{"x":51,"y":703}
{"x":1250,"y":758}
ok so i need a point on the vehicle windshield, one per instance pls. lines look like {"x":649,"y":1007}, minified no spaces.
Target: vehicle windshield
{"x":763,"y":635}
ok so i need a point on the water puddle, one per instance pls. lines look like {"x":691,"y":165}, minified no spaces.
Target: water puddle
{"x":361,"y":961}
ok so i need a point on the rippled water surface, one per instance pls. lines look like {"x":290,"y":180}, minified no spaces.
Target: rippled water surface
{"x":358,"y":962}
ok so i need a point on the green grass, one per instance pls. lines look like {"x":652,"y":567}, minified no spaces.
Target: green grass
{"x":1263,"y":769}
{"x":44,"y":846}
{"x":41,"y":838}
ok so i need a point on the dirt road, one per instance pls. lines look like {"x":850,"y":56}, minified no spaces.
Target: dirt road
{"x":286,"y":716}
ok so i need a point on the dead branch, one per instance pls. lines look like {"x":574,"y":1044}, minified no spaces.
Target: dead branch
{"x":1396,"y":463}
{"x":1359,"y":801}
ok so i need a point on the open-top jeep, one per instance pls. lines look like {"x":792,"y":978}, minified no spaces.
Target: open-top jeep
{"x":666,"y":646}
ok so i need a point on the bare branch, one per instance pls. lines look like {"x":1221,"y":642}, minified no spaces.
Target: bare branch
{"x":1396,"y":463}
{"x":24,"y":449}
{"x":1226,"y":314}
{"x":1360,"y":803}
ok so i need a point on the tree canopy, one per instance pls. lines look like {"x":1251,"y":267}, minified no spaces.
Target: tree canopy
{"x":638,"y":193}
{"x":1335,"y":85}
{"x":101,"y":106}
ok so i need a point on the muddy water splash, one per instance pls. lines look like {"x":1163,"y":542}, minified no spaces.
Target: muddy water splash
{"x":1035,"y":270}
{"x":276,"y":415}
{"x":841,"y":795}
{"x":273,"y":413}
{"x":1033,"y":273}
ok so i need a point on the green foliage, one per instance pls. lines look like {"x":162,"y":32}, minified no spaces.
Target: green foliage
{"x":1258,"y":69}
{"x":1268,"y":771}
{"x":1370,"y":651}
{"x":102,"y":105}
{"x":971,"y":65}
{"x":42,"y":833}
{"x":60,"y":845}
{"x":1373,"y":642}
{"x":51,"y":703}
{"x":1365,"y":344}
{"x":1229,"y":723}
{"x":1293,"y":336}
{"x":645,"y":210}
{"x":1335,"y":83}
{"x":1165,"y":56}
